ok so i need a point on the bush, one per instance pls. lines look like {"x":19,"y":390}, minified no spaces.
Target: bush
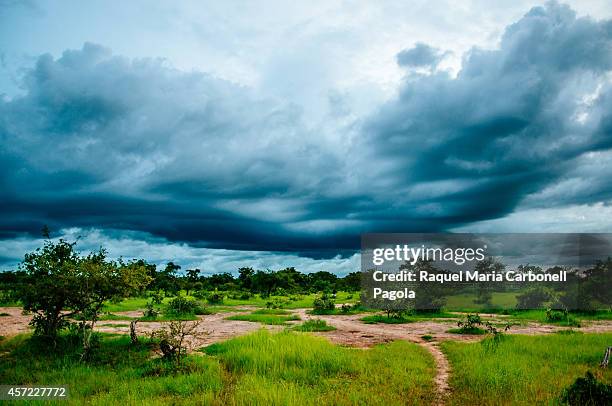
{"x":151,"y":312}
{"x":181,"y":305}
{"x":587,"y":391}
{"x":323,"y":304}
{"x":562,"y":317}
{"x":469,"y":326}
{"x":215,"y":298}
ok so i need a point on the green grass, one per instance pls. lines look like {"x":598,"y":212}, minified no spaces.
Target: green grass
{"x":471,"y":330}
{"x":274,"y":319}
{"x":523,"y":369}
{"x":379,"y":318}
{"x":294,"y":369}
{"x":261,"y":368}
{"x":272,"y":311}
{"x":286,"y":302}
{"x":314,"y":325}
{"x":118,"y":373}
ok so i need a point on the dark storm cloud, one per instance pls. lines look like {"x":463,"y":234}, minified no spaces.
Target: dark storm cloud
{"x":514,"y":120}
{"x":102,"y":141}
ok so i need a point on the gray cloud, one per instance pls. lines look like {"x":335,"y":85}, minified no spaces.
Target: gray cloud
{"x":98,"y":140}
{"x":420,"y":55}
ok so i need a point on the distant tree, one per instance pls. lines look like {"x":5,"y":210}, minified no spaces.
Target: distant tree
{"x":352,"y":281}
{"x":245,"y":278}
{"x":533,"y":298}
{"x":484,"y":292}
{"x":167,"y":279}
{"x":192,"y":277}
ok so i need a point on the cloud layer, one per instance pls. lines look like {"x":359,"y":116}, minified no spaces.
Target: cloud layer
{"x":98,"y":140}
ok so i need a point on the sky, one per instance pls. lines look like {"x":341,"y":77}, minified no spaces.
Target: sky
{"x":273,"y":134}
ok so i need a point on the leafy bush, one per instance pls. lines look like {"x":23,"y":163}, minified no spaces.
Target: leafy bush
{"x":561,"y":317}
{"x":587,"y":391}
{"x":323,"y":304}
{"x":150,"y":312}
{"x":181,"y":305}
{"x":469,"y":326}
{"x":215,"y":298}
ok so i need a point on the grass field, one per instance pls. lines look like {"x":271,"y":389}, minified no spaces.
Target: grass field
{"x":523,"y":369}
{"x":295,"y":369}
{"x":118,"y":374}
{"x":261,"y":368}
{"x":286,"y":302}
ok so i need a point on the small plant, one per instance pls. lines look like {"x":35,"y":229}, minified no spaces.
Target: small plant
{"x":471,"y":322}
{"x":427,"y":337}
{"x":587,"y":391}
{"x":495,"y":336}
{"x":562,"y":317}
{"x":346,"y":308}
{"x":471,"y":325}
{"x":150,"y":311}
{"x":172,"y":339}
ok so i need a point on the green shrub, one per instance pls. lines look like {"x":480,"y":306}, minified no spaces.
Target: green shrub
{"x":323,"y":304}
{"x":215,"y":298}
{"x":561,"y":317}
{"x":181,"y":305}
{"x":587,"y":391}
{"x":150,"y":312}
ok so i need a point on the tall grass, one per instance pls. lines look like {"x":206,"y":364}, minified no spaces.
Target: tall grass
{"x":273,"y":319}
{"x":294,"y":369}
{"x":523,"y":369}
{"x":118,"y":373}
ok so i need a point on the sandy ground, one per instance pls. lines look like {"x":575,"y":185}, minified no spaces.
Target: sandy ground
{"x":350,"y":331}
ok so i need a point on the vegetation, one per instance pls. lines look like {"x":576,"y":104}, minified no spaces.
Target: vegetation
{"x":471,"y":325}
{"x":393,"y":319}
{"x":118,"y":372}
{"x":314,"y":325}
{"x":294,"y":369}
{"x":587,"y":391}
{"x":258,"y":317}
{"x":523,"y":369}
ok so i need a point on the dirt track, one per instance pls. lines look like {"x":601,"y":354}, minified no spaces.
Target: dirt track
{"x":350,"y":331}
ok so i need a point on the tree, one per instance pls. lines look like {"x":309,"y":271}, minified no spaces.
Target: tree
{"x":245,"y":277}
{"x":484,"y":293}
{"x":192,"y":277}
{"x":166,"y":279}
{"x":60,"y":285}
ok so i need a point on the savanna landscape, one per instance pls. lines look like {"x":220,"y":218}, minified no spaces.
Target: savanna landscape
{"x":322,"y":202}
{"x":125,"y":332}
